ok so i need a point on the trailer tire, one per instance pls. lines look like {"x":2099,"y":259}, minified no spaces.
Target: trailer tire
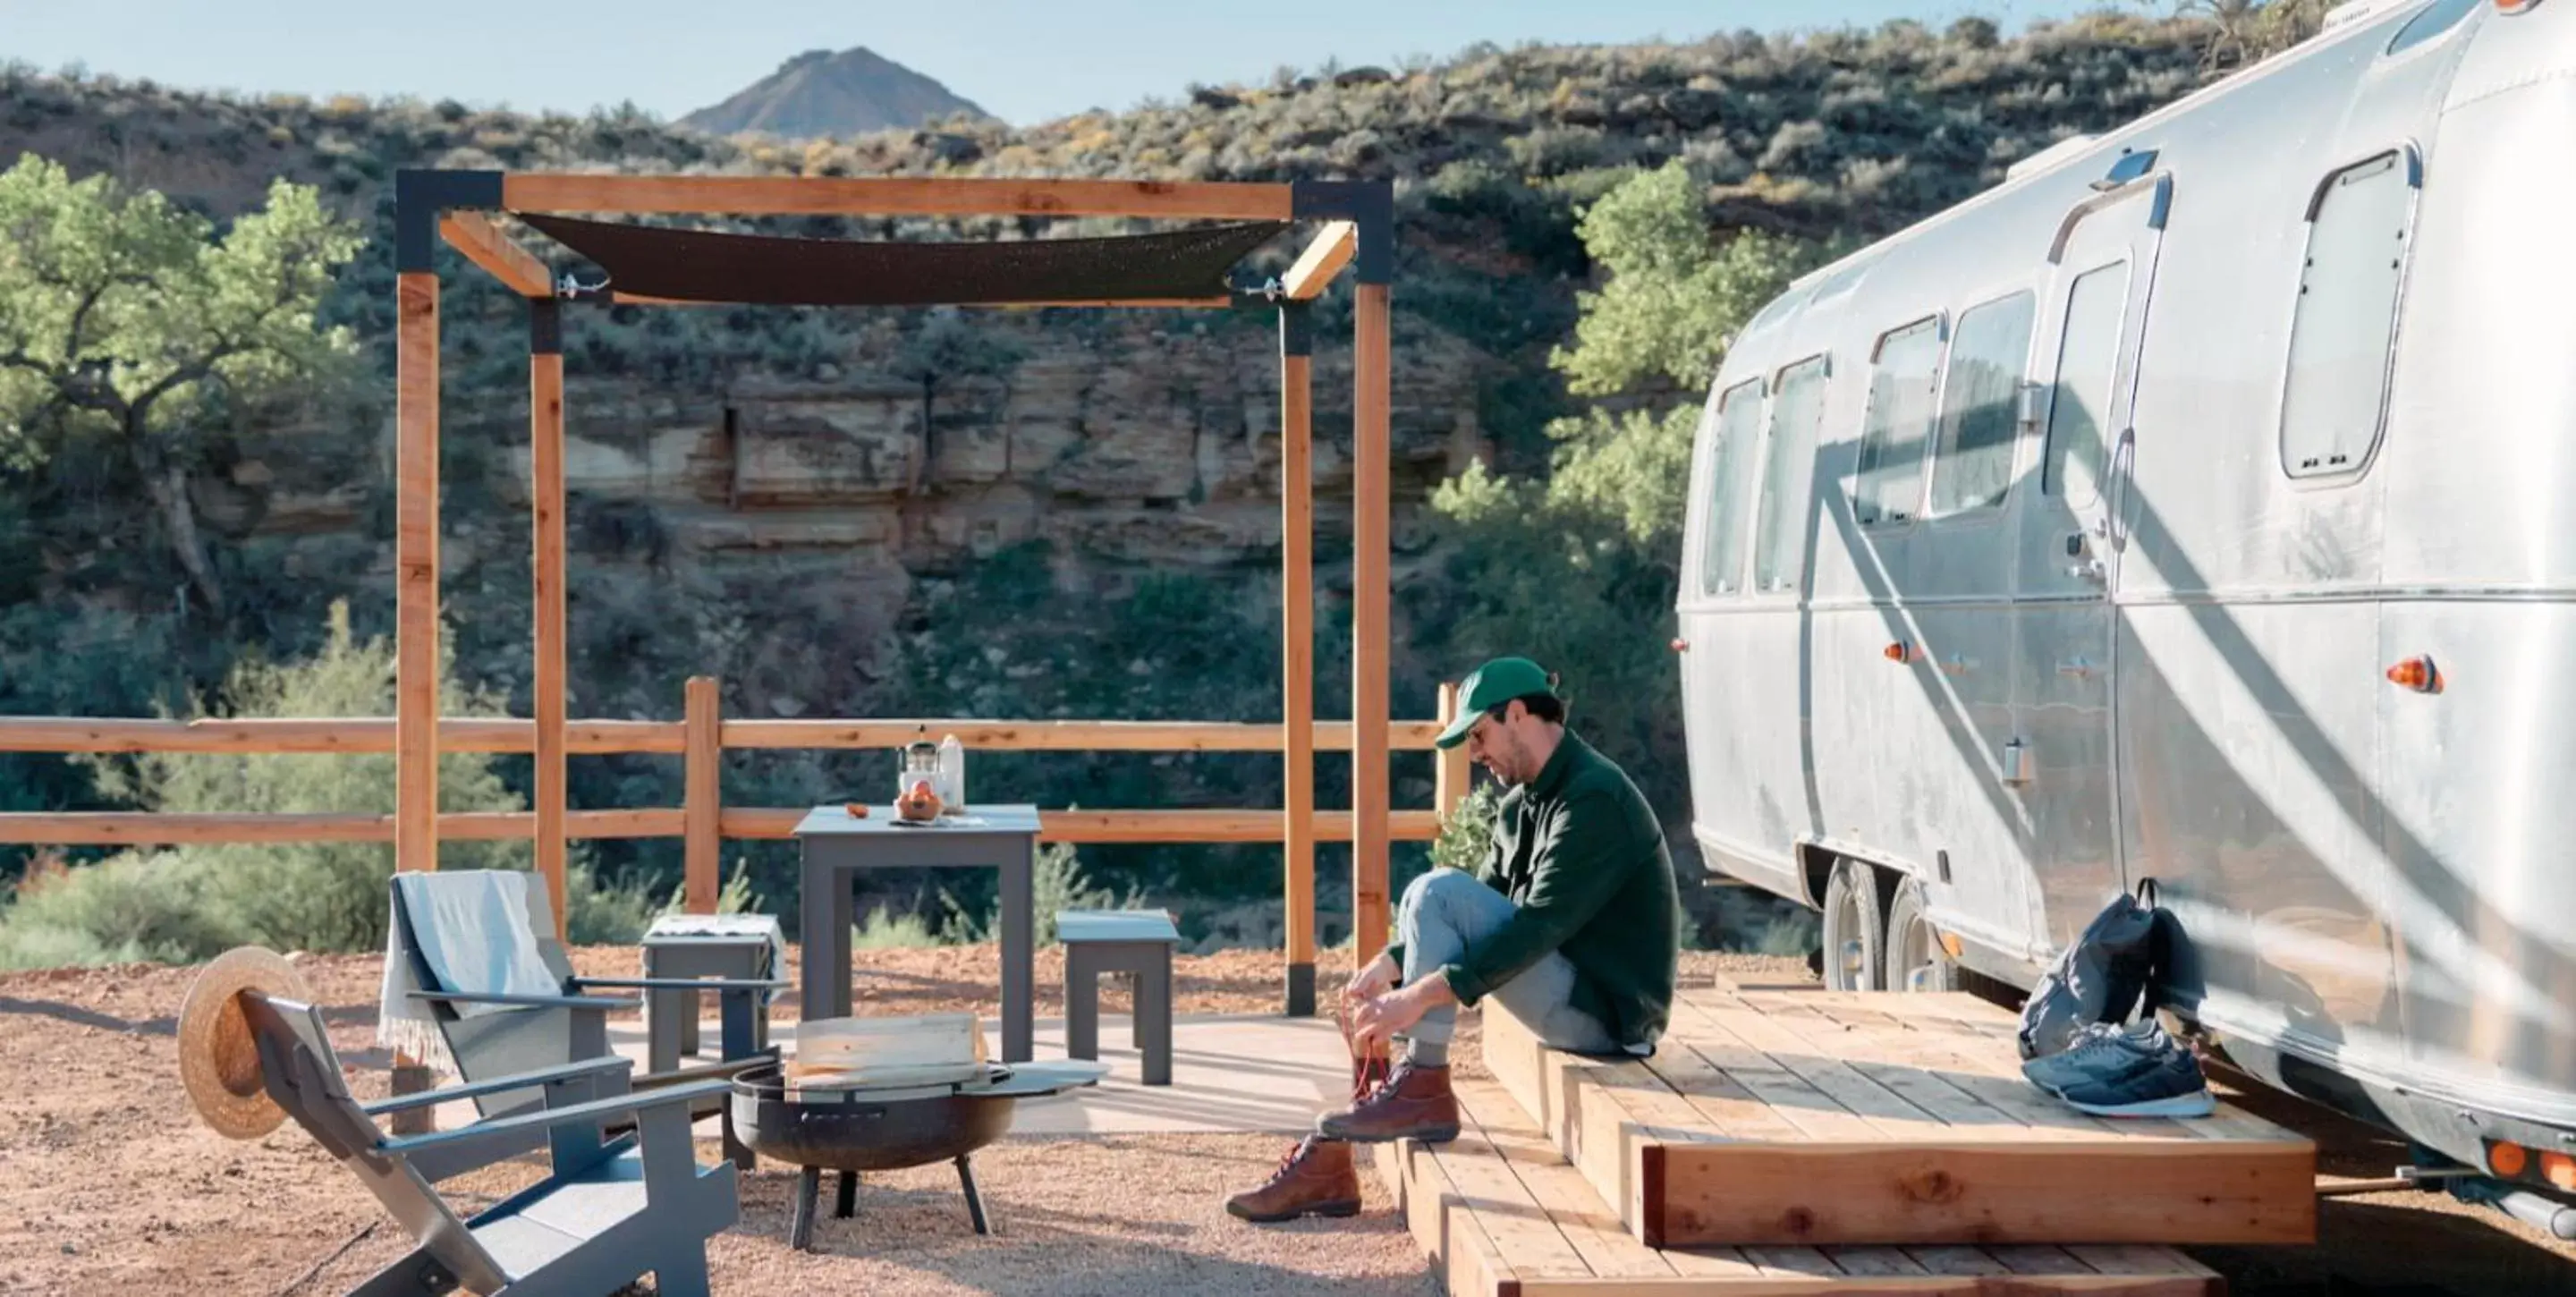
{"x":1855,"y":937}
{"x":1915,"y":959}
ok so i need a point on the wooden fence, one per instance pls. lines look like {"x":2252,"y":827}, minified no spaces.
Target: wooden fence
{"x":701,"y":739}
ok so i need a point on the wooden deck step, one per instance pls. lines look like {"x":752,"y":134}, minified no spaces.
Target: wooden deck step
{"x":1501,"y":1213}
{"x":1810,"y":1117}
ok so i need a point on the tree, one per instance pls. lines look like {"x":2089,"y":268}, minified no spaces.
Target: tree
{"x":125,"y":319}
{"x":1573,"y":569}
{"x":1655,"y":331}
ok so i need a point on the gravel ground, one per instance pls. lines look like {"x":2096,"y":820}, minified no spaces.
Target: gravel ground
{"x":108,"y":1184}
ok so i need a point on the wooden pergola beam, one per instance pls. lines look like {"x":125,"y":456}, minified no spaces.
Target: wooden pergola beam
{"x":485,"y":245}
{"x":1322,"y":260}
{"x":1168,"y":303}
{"x":898,"y":196}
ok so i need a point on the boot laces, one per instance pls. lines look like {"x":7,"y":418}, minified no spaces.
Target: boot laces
{"x":1288,"y":1162}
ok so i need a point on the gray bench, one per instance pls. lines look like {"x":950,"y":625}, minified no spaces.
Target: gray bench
{"x":1135,"y":942}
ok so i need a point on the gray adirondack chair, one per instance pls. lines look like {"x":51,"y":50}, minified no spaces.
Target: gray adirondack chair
{"x":545,"y":1031}
{"x":609,"y":1210}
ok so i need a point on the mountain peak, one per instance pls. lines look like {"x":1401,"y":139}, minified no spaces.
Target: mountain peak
{"x":823,"y":93}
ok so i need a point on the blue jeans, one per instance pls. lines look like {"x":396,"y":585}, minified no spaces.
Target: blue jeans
{"x":1447,"y":911}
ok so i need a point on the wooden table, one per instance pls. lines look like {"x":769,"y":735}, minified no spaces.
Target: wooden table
{"x":835,"y":845}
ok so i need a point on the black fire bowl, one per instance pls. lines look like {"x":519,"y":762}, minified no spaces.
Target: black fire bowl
{"x":850,"y":1131}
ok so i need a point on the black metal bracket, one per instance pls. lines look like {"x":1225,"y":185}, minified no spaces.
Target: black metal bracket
{"x":421,"y":197}
{"x":1301,"y":990}
{"x":1369,"y":204}
{"x":545,"y":327}
{"x":1296,"y":329}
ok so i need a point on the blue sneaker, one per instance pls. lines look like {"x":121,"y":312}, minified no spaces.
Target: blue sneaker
{"x":2171,"y":1087}
{"x":2099,"y":1051}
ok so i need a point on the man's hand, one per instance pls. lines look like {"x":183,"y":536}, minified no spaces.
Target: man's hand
{"x":1376,"y":1021}
{"x":1373,"y":981}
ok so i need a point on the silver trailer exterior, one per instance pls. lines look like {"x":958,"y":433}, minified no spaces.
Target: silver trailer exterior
{"x":2104,"y":528}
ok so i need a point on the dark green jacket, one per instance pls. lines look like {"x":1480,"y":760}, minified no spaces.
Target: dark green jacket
{"x":1582,"y":858}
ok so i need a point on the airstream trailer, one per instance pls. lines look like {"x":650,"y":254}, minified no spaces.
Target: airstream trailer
{"x":2187,"y":508}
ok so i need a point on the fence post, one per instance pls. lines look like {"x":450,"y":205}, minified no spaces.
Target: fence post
{"x":703,"y":805}
{"x":1450,"y":772}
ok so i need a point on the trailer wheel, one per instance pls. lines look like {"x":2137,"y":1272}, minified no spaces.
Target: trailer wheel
{"x":1855,"y":932}
{"x":1915,"y":959}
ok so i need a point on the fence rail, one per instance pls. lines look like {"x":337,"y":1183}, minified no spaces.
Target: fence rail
{"x":703,"y":822}
{"x":706,"y":818}
{"x":375,"y":734}
{"x":145,"y":828}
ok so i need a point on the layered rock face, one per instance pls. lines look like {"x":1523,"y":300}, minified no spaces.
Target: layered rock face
{"x":1141,"y":445}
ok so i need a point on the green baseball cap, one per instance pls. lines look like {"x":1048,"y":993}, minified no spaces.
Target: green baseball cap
{"x":1490,"y":686}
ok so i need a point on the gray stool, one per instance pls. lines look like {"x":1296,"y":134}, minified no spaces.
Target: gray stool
{"x":671,"y":1016}
{"x":1135,"y":942}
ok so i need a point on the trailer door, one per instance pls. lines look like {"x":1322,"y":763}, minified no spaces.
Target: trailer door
{"x":2068,"y":543}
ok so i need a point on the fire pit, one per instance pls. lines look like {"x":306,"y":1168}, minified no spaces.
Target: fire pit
{"x":850,"y":1129}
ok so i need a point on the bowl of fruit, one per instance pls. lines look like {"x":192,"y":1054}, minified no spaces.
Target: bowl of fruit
{"x":919,"y":804}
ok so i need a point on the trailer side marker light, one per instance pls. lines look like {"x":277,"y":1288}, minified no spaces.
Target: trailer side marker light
{"x":2418,"y":674}
{"x":2507,"y":1160}
{"x":1900,"y":651}
{"x":2515,"y":6}
{"x":2559,"y":1170}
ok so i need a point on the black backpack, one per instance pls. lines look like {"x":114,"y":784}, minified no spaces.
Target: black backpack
{"x":2103,"y":977}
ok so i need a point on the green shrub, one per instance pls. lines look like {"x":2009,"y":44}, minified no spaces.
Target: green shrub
{"x":1467,"y":838}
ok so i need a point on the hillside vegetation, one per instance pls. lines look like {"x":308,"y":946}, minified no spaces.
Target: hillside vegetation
{"x":1580,"y":333}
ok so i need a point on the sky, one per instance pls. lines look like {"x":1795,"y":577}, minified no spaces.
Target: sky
{"x":1025,"y":61}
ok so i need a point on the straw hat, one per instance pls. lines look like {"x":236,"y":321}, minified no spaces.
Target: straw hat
{"x":218,"y":1060}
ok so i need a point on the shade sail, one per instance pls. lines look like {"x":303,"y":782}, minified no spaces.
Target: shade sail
{"x":700,"y":266}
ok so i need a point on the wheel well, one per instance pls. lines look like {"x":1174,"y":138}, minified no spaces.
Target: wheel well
{"x":1817,"y":864}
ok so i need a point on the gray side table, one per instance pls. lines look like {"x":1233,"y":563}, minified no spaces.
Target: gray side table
{"x":836,"y":845}
{"x":1135,"y":942}
{"x":736,"y":947}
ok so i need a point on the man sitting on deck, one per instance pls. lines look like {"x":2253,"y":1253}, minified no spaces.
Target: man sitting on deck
{"x":1573,"y":923}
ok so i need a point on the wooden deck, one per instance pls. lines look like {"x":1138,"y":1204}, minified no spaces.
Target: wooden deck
{"x":1801,"y":1117}
{"x":1501,"y":1213}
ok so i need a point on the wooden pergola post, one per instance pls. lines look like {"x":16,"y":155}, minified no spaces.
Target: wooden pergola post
{"x":546,"y":524}
{"x":1297,"y":642}
{"x":1372,"y":634}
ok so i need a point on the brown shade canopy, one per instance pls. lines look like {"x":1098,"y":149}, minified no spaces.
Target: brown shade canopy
{"x":756,"y":269}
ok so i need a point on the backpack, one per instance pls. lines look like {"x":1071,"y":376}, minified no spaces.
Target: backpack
{"x":2103,"y":977}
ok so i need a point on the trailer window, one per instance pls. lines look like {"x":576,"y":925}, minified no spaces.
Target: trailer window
{"x":1972,"y":457}
{"x":2436,"y":18}
{"x":2087,"y":362}
{"x":1890,"y":485}
{"x":2345,"y":325}
{"x":1780,"y":544}
{"x":1739,"y":420}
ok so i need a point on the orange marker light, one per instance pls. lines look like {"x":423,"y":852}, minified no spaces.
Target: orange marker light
{"x":2507,"y":1160}
{"x":1900,"y":651}
{"x":2418,"y":674}
{"x":2559,"y":1170}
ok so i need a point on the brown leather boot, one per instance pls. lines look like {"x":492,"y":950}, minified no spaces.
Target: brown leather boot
{"x":1415,"y":1103}
{"x":1315,"y":1179}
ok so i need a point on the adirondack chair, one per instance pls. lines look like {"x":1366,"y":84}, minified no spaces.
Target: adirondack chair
{"x":544,"y":1031}
{"x":608,"y":1211}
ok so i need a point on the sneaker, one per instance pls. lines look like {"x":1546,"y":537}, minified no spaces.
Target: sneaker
{"x":2170,"y":1087}
{"x":2100,"y":1051}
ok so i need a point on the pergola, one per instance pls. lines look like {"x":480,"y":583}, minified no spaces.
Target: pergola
{"x":652,"y":265}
